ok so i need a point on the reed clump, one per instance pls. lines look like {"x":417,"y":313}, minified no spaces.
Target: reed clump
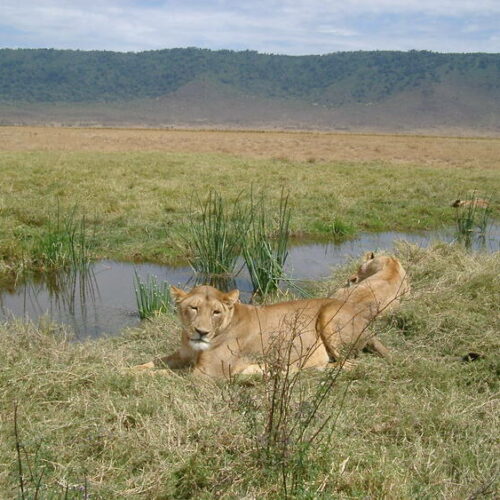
{"x":341,"y":229}
{"x":152,"y":297}
{"x":265,"y":248}
{"x":472,"y":219}
{"x":215,"y":235}
{"x":65,"y":243}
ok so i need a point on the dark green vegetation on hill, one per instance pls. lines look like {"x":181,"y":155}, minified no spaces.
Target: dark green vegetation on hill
{"x":49,"y":75}
{"x":464,"y":85}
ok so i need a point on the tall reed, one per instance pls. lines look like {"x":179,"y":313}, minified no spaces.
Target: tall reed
{"x":215,"y":238}
{"x":152,"y":297}
{"x":472,"y":219}
{"x":264,"y":254}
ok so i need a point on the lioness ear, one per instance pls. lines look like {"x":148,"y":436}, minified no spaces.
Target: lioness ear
{"x":369,"y":256}
{"x":177,"y":293}
{"x":232,"y":297}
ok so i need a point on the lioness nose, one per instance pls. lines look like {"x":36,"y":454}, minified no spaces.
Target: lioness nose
{"x":201,"y":332}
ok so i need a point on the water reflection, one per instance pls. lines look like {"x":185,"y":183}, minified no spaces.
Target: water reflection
{"x":102,"y":300}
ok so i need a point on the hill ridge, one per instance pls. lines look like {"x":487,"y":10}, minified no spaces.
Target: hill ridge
{"x":414,"y":88}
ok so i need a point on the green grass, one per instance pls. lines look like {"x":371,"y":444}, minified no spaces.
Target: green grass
{"x":266,"y":245}
{"x":64,"y":243}
{"x":214,"y":238}
{"x":423,"y":426}
{"x":152,"y":297}
{"x":473,"y":221}
{"x":140,"y":201}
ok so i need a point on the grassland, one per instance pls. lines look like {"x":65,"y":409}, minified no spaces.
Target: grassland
{"x":135,"y":186}
{"x":76,"y":423}
{"x":423,"y":426}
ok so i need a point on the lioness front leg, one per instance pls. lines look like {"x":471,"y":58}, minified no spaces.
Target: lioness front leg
{"x":183,"y":358}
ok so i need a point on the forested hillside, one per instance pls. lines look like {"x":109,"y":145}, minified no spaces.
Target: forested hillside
{"x":335,"y":81}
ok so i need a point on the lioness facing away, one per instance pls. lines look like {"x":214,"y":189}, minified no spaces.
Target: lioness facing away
{"x":222,"y":337}
{"x":343,"y":322}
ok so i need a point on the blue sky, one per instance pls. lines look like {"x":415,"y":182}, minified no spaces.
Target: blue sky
{"x":293,"y":27}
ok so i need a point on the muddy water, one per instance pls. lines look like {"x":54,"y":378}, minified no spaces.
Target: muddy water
{"x":103,"y":300}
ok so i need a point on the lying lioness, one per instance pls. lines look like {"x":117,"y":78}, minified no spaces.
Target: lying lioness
{"x":476,"y":203}
{"x":222,"y":337}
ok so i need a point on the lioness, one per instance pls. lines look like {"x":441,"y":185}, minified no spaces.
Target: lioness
{"x":222,"y":337}
{"x":476,"y":203}
{"x":343,"y":323}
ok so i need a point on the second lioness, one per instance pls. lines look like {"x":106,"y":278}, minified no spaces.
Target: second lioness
{"x":377,"y":287}
{"x":222,"y":337}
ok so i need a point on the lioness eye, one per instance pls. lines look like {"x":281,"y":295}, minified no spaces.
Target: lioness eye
{"x":193,"y":308}
{"x":216,"y":312}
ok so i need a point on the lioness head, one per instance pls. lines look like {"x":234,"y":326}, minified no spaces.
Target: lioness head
{"x":204,"y":312}
{"x":370,"y":266}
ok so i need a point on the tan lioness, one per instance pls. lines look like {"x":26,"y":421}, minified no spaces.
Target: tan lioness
{"x":222,"y":337}
{"x":377,"y":287}
{"x":476,"y":203}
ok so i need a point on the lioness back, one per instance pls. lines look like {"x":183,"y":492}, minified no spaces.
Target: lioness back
{"x":343,"y":324}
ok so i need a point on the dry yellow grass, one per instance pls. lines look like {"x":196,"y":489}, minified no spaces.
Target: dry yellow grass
{"x":475,"y":152}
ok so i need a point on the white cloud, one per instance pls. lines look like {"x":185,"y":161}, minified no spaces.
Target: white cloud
{"x":289,"y":26}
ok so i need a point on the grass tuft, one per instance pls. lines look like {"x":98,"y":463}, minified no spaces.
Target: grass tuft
{"x":152,"y":297}
{"x":264,"y":255}
{"x":64,"y":244}
{"x":341,"y":229}
{"x":472,"y":220}
{"x":215,"y":237}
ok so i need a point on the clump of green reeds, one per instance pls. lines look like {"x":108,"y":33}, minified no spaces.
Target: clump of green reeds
{"x":472,"y":219}
{"x":215,"y":238}
{"x":65,"y":244}
{"x":152,"y":297}
{"x":264,"y":254}
{"x":341,"y":229}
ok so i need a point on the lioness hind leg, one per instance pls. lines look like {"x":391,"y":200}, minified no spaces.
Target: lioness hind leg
{"x":379,"y":348}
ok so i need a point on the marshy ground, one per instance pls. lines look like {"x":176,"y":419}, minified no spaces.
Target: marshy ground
{"x":75,"y":423}
{"x":135,"y":187}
